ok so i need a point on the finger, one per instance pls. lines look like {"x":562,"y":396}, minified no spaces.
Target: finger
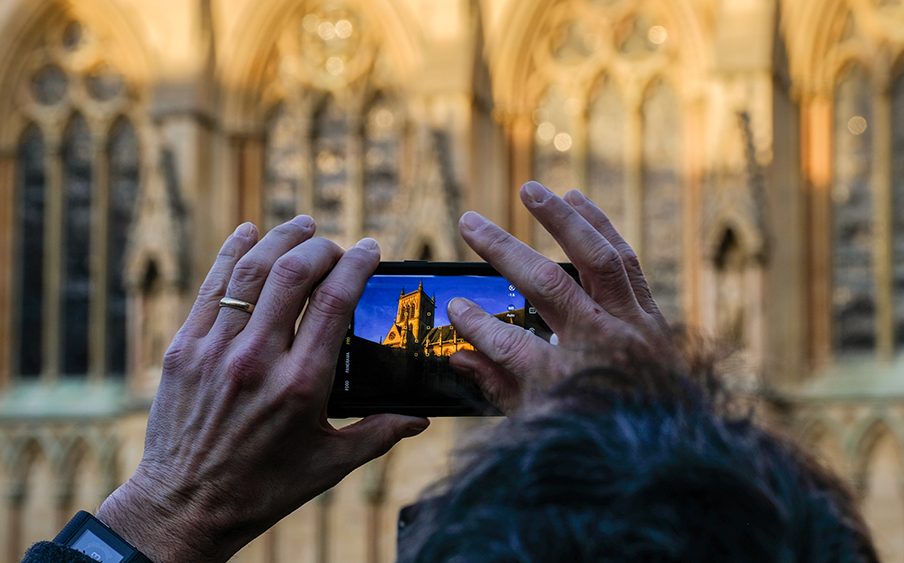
{"x":595,"y":216}
{"x":373,"y":436}
{"x":251,"y":272}
{"x":553,"y":292}
{"x":509,"y":346}
{"x":330,"y":308}
{"x":291,"y":280}
{"x":602,"y":274}
{"x":501,"y":388}
{"x":204,"y":311}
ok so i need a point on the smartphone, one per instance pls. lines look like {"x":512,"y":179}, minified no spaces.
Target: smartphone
{"x":395,"y":356}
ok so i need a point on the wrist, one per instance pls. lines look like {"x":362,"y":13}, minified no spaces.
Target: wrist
{"x":163,"y":530}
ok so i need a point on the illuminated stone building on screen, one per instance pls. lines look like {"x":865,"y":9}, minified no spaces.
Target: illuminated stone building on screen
{"x":752,"y":152}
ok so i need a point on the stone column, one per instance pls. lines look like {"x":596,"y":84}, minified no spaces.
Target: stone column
{"x":816,"y":160}
{"x":519,"y":132}
{"x":248,"y":155}
{"x":880,"y":182}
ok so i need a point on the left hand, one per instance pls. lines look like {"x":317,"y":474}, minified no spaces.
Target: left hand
{"x":238,"y":436}
{"x":609,"y":319}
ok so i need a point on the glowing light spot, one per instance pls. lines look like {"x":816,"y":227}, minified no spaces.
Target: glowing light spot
{"x":335,"y":66}
{"x":326,"y":30}
{"x":546,"y":131}
{"x":383,"y":118}
{"x":562,"y":142}
{"x":310,"y":23}
{"x":344,"y":29}
{"x":658,"y":34}
{"x":573,"y":106}
{"x":540,"y":116}
{"x":857,"y":125}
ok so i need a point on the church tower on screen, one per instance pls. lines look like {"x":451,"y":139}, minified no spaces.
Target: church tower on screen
{"x":413,"y":320}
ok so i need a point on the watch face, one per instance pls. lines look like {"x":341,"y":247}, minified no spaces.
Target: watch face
{"x":96,"y":548}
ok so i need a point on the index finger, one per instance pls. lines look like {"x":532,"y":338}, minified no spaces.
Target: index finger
{"x":560,"y":300}
{"x":329,"y":310}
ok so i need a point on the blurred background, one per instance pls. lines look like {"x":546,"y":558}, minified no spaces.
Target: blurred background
{"x":752,"y":151}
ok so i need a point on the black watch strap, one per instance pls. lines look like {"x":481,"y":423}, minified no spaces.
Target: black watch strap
{"x":92,"y":537}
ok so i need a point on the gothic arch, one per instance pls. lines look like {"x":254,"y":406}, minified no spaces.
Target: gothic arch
{"x":516,"y":93}
{"x":864,"y":437}
{"x":245,"y":55}
{"x":817,"y":49}
{"x":826,"y":439}
{"x":27,"y":28}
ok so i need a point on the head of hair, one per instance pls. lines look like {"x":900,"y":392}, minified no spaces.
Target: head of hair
{"x":642,"y":466}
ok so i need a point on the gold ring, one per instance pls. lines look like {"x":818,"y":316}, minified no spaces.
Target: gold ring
{"x":237,"y":304}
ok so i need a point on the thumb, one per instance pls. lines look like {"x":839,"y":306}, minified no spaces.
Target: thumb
{"x":373,"y":436}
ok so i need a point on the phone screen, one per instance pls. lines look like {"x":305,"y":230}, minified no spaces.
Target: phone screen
{"x":395,"y":356}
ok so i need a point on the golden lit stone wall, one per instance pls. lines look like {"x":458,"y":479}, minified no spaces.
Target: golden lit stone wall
{"x":713,"y":131}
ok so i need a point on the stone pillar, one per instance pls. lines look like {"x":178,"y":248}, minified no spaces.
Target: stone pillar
{"x":520,"y":134}
{"x":248,"y":155}
{"x":880,"y":182}
{"x":816,"y":160}
{"x":15,"y":497}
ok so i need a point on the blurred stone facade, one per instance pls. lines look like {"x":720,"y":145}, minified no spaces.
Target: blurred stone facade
{"x":752,"y":151}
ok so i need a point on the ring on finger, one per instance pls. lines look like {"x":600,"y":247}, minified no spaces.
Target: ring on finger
{"x":237,"y":304}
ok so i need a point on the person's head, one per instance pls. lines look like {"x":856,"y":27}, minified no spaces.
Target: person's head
{"x":609,"y":469}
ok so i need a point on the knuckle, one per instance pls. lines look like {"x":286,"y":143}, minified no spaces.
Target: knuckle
{"x":605,"y":260}
{"x":508,"y":342}
{"x":331,"y":299}
{"x":243,"y":366}
{"x":631,"y":262}
{"x":552,"y":280}
{"x":212,"y":289}
{"x":249,"y":270}
{"x":290,"y":270}
{"x":177,"y":355}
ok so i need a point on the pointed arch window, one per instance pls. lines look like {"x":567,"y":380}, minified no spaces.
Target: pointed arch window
{"x":78,"y":163}
{"x":331,"y":159}
{"x":31,"y":206}
{"x":854,"y":291}
{"x":382,"y":158}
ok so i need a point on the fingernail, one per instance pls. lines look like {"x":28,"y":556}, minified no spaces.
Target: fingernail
{"x":367,"y":243}
{"x":472,"y":221}
{"x":458,"y":306}
{"x":245,"y":230}
{"x":576,"y":197}
{"x":536,"y":193}
{"x":416,"y":428}
{"x":304,"y":221}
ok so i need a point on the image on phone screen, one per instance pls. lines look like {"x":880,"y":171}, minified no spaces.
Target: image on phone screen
{"x":395,"y":357}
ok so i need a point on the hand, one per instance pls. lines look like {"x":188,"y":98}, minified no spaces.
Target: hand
{"x":607,"y":319}
{"x":237,"y":436}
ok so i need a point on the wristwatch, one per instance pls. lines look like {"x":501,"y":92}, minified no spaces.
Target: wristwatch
{"x":92,"y":537}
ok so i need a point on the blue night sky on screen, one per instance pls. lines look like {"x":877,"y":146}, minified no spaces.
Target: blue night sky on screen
{"x":379,"y":304}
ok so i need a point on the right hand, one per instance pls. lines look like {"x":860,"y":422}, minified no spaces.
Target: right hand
{"x":607,"y":319}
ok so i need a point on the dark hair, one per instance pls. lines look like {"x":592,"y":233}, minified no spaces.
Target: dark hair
{"x":615,"y":467}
